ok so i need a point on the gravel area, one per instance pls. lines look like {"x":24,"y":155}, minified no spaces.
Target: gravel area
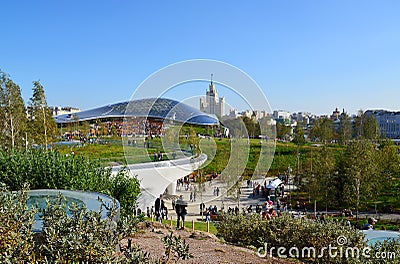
{"x":205,"y":247}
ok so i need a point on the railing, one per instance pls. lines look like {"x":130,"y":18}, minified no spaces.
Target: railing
{"x":171,"y":219}
{"x":167,"y":163}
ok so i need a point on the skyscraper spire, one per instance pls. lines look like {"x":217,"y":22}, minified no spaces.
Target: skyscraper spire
{"x":211,"y":86}
{"x":212,"y":104}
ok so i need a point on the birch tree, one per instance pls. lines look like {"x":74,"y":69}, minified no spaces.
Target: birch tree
{"x":12,"y":114}
{"x":43,"y":128}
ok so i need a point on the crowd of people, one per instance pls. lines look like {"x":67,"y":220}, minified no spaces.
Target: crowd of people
{"x":265,"y":210}
{"x":159,"y":210}
{"x":140,"y":126}
{"x":264,"y":190}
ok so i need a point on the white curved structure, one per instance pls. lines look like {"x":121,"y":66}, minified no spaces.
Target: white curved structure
{"x":155,"y":177}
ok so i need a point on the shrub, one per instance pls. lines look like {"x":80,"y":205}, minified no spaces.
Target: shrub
{"x":135,"y":255}
{"x":175,"y":249}
{"x":82,"y":237}
{"x":289,"y":232}
{"x":16,"y":243}
{"x":125,"y":189}
{"x":384,"y":252}
{"x":43,"y":169}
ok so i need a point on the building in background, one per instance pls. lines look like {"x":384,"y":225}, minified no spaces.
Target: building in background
{"x":212,"y":104}
{"x":388,"y":121}
{"x":58,"y":110}
{"x":144,"y":117}
{"x":282,"y":117}
{"x":302,"y":117}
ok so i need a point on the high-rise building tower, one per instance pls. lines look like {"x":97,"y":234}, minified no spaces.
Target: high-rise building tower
{"x":212,"y":104}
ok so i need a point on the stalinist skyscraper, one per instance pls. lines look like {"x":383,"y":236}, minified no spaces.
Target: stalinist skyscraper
{"x":212,"y":104}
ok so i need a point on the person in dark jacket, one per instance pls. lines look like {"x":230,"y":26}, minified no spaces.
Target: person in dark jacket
{"x":180,"y":209}
{"x":158,"y":207}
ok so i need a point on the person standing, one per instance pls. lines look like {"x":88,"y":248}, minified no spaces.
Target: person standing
{"x":180,"y":209}
{"x":278,"y":204}
{"x":202,"y":208}
{"x":370,"y":225}
{"x":158,"y":208}
{"x":165,"y":213}
{"x":208,"y":216}
{"x":173,"y":204}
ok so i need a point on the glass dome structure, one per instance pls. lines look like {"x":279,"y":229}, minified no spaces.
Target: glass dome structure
{"x":154,"y":108}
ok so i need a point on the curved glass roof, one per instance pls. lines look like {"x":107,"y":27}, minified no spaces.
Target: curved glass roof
{"x":157,"y":108}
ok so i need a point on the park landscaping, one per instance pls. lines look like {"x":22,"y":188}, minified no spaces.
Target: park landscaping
{"x":52,"y":169}
{"x":322,"y":173}
{"x":307,"y":164}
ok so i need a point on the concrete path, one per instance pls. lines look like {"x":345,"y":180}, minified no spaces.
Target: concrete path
{"x":222,"y":201}
{"x":246,"y":199}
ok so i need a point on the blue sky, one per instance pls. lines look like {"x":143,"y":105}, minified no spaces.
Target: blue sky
{"x":305,"y":55}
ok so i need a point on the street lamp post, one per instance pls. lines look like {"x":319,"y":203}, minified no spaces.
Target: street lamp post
{"x":289,"y":171}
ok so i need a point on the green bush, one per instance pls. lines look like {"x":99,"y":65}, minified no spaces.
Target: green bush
{"x":135,"y":255}
{"x":289,"y":232}
{"x":83,"y":237}
{"x":175,"y":249}
{"x":125,"y":189}
{"x":383,"y":252}
{"x":43,"y":169}
{"x":16,"y":237}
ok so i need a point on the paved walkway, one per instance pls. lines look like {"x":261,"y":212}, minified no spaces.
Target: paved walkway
{"x":222,"y":201}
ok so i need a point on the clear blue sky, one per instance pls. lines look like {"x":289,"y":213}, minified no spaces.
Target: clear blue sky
{"x":306,"y":55}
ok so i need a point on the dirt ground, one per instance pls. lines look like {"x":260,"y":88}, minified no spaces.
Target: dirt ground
{"x":205,"y":247}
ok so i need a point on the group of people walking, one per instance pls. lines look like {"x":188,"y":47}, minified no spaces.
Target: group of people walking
{"x":179,"y":206}
{"x":160,"y":210}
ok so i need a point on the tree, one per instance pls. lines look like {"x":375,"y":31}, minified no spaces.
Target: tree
{"x":326,"y":129}
{"x":322,"y":130}
{"x":282,"y":131}
{"x":12,"y":114}
{"x":85,"y":128}
{"x":389,"y":169}
{"x":345,"y":129}
{"x":299,"y":138}
{"x":362,"y":181}
{"x":366,"y":126}
{"x":321,"y":179}
{"x":371,"y":128}
{"x":193,"y":141}
{"x":43,"y":127}
{"x":315,"y":131}
{"x":358,"y":130}
{"x":252,"y":126}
